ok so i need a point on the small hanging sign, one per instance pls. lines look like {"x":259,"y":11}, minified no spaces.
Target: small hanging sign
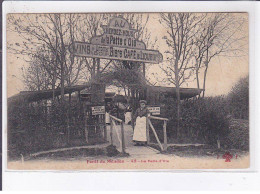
{"x":98,"y":110}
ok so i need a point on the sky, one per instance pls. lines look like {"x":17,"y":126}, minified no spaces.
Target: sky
{"x":223,"y":72}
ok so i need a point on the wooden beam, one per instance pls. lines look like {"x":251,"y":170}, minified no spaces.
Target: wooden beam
{"x":111,"y":130}
{"x":158,"y":118}
{"x":105,"y":66}
{"x":123,"y":137}
{"x":155,"y":134}
{"x":147,"y":131}
{"x":164,"y":136}
{"x":119,"y":120}
{"x":105,"y":132}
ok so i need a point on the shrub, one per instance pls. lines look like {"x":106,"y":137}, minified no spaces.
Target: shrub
{"x":202,"y":120}
{"x":238,"y":99}
{"x":36,"y":127}
{"x":205,"y":120}
{"x":238,"y":137}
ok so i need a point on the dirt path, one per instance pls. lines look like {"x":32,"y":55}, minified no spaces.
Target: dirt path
{"x":130,"y":148}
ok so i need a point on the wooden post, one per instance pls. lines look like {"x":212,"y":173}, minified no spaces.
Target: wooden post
{"x":111,"y":130}
{"x":79,"y":96}
{"x":85,"y":125}
{"x":105,"y":132}
{"x":86,"y":133}
{"x":147,"y":131}
{"x":93,"y":73}
{"x":144,"y":69}
{"x":164,"y":136}
{"x":98,"y":69}
{"x":123,"y":137}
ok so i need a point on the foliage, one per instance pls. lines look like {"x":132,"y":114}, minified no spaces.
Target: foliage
{"x":37,"y":127}
{"x":205,"y":120}
{"x":238,"y":137}
{"x":202,"y":120}
{"x":238,"y":99}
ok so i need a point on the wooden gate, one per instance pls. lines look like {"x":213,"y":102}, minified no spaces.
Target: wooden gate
{"x":149,"y":124}
{"x":113,"y":121}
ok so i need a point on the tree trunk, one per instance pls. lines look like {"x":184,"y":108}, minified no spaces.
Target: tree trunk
{"x":218,"y":142}
{"x":144,"y":69}
{"x":197,"y":78}
{"x":53,"y":85}
{"x":205,"y":73}
{"x":178,"y":109}
{"x":68,"y":120}
{"x":62,"y":82}
{"x":69,"y":100}
{"x":178,"y":97}
{"x":204,"y":81}
{"x":98,"y":70}
{"x":93,"y":73}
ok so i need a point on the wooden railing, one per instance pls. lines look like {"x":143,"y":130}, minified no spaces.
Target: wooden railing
{"x":112,"y":124}
{"x":149,"y":124}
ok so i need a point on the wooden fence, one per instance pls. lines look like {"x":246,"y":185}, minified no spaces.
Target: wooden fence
{"x":149,"y":124}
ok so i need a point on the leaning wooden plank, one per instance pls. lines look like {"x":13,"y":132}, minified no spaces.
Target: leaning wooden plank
{"x":119,"y":120}
{"x":116,"y":130}
{"x":71,"y":148}
{"x":147,"y":131}
{"x":164,"y":135}
{"x":158,"y":118}
{"x":111,"y":130}
{"x":155,"y":135}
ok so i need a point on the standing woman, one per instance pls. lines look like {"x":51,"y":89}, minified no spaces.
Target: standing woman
{"x":140,"y":115}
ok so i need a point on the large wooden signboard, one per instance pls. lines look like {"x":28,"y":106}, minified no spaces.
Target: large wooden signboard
{"x":117,"y":42}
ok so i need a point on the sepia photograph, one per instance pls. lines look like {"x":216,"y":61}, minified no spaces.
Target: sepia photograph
{"x":127,"y":91}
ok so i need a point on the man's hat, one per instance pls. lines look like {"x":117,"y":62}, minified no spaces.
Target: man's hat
{"x":143,"y":101}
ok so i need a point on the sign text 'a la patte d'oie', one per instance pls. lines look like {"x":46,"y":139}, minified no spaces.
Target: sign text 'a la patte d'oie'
{"x":117,"y":42}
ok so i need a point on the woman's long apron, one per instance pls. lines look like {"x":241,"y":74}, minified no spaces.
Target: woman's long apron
{"x":140,"y":129}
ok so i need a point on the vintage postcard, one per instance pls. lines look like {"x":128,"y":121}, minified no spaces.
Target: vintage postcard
{"x":127,"y":91}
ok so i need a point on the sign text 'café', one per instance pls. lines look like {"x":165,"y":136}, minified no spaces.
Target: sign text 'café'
{"x":117,"y":42}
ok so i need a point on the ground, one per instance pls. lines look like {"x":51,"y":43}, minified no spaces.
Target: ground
{"x":140,"y":157}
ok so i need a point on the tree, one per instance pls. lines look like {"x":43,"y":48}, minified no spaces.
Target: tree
{"x":46,"y":38}
{"x":181,"y":31}
{"x":220,"y":35}
{"x":36,"y":77}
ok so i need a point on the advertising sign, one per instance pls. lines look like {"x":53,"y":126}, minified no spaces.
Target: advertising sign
{"x":117,"y":42}
{"x":154,"y":110}
{"x":98,"y":110}
{"x":117,"y":53}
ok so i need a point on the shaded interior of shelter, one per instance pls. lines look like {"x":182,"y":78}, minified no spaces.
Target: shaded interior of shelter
{"x":153,"y":93}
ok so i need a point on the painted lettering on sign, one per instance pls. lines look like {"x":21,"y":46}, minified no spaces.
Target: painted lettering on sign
{"x":98,"y":110}
{"x":117,"y":42}
{"x":117,"y":53}
{"x":118,"y":33}
{"x":154,"y":110}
